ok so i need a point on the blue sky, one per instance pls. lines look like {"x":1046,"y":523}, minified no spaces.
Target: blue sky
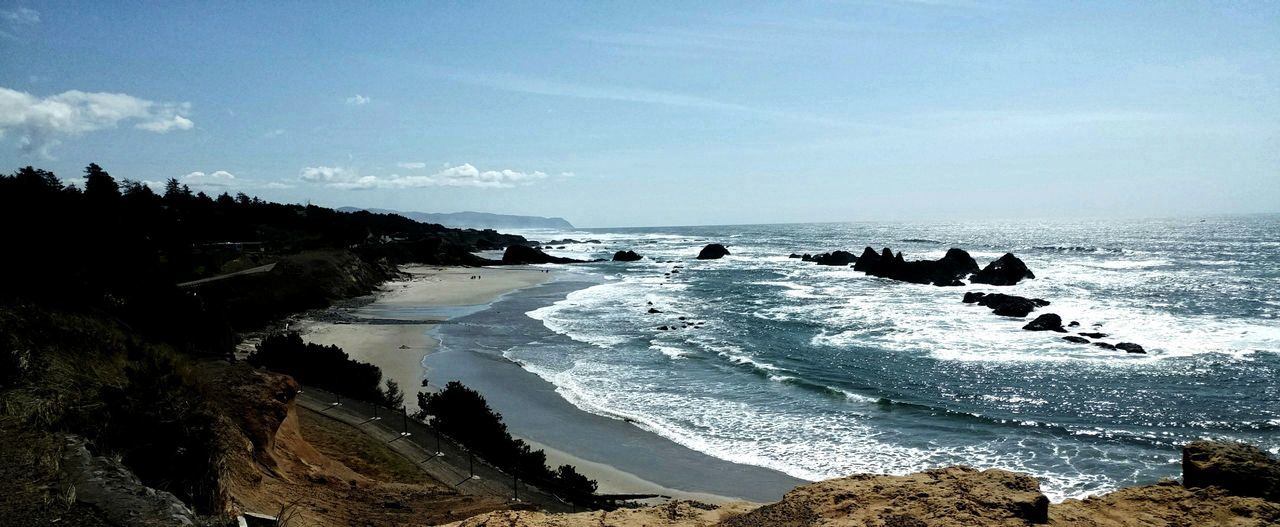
{"x":663,"y":113}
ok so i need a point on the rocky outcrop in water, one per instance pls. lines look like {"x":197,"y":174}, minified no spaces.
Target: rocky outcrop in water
{"x":840,"y":258}
{"x":945,"y":271}
{"x":626,"y":256}
{"x":1005,"y":305}
{"x":1006,"y":270}
{"x":713,"y":251}
{"x":1046,"y":322}
{"x":1130,"y":347}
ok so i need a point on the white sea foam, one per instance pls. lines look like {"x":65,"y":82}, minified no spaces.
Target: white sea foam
{"x":845,"y":309}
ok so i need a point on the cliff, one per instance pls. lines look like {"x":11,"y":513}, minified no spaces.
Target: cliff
{"x":963,"y":496}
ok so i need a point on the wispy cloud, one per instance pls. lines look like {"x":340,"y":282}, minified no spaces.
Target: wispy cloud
{"x":536,"y":86}
{"x":273,"y":133}
{"x":412,"y":165}
{"x":464,"y":175}
{"x":14,"y":22}
{"x":40,"y":123}
{"x":358,"y":100}
{"x":20,"y":15}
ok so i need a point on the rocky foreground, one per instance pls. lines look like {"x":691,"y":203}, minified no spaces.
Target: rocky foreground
{"x":1226,"y":484}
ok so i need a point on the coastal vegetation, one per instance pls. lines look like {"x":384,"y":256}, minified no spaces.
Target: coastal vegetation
{"x":463,"y":414}
{"x":117,"y":296}
{"x":326,"y":367}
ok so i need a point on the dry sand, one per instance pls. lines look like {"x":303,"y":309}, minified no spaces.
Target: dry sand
{"x":398,"y":348}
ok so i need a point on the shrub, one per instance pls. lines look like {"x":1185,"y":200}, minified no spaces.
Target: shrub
{"x":325,"y":367}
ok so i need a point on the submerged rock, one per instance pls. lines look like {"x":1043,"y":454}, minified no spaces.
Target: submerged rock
{"x":1006,"y":270}
{"x":1104,"y":345}
{"x":1005,"y":305}
{"x":1046,"y":322}
{"x":1075,"y":339}
{"x":713,"y":251}
{"x":1131,"y":348}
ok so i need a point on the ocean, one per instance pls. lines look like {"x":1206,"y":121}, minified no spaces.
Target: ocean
{"x":821,"y":372}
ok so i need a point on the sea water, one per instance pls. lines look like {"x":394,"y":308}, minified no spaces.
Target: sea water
{"x":821,"y":371}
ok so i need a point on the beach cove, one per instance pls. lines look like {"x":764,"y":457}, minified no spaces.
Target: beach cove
{"x":443,"y":324}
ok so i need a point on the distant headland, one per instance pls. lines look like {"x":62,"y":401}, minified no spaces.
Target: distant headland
{"x":476,"y":220}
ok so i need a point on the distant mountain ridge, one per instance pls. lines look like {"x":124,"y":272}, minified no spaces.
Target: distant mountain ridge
{"x":476,"y":220}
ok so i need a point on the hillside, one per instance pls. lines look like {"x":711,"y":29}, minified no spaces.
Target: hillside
{"x":477,"y":220}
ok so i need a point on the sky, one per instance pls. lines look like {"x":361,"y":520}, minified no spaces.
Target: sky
{"x":662,"y":113}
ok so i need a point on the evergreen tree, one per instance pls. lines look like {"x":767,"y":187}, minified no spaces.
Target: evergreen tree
{"x":99,"y":185}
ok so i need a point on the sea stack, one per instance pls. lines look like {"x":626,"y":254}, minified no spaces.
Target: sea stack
{"x":713,"y":251}
{"x":1006,"y":270}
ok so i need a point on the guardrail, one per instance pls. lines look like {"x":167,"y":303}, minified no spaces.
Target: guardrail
{"x":444,"y":458}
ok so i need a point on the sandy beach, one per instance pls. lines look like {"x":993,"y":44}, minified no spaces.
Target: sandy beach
{"x":395,"y":339}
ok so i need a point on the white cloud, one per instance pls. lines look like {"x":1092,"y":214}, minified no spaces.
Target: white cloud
{"x":412,"y":165}
{"x":464,"y":175}
{"x":42,"y":123}
{"x":176,"y":122}
{"x":273,"y":133}
{"x":220,"y":178}
{"x":217,"y":181}
{"x":358,"y":100}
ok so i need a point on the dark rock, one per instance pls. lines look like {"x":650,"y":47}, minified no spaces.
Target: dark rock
{"x":626,"y":256}
{"x":713,"y":251}
{"x":945,"y":271}
{"x":1130,"y":347}
{"x":794,"y":255}
{"x":1046,"y":322}
{"x":675,"y":271}
{"x":1005,"y":305}
{"x":868,"y":260}
{"x":1238,"y":468}
{"x":663,"y":328}
{"x":1007,"y":270}
{"x":840,"y":258}
{"x":1075,"y":339}
{"x":1093,"y":335}
{"x":1104,"y":345}
{"x":1073,"y":324}
{"x":806,"y":258}
{"x":522,"y":254}
{"x":654,"y":311}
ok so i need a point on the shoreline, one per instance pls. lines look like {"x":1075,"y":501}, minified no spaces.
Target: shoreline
{"x":400,"y":332}
{"x":621,"y":456}
{"x":391,"y":331}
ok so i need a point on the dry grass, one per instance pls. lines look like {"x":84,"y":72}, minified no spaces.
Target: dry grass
{"x":358,"y":451}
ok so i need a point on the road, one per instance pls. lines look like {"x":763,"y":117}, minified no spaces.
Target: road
{"x":252,"y":270}
{"x":439,"y":457}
